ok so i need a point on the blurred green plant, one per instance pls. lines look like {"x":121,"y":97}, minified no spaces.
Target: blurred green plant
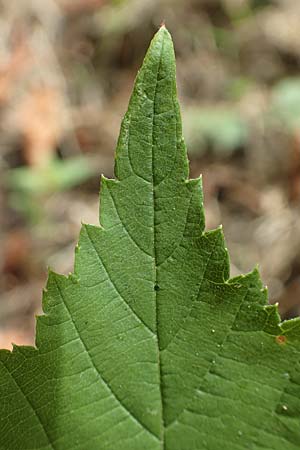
{"x":220,"y":131}
{"x":238,"y":87}
{"x":285,"y":104}
{"x":28,"y":186}
{"x":259,"y":4}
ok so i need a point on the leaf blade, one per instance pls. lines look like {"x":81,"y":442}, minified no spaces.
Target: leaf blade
{"x":149,"y":345}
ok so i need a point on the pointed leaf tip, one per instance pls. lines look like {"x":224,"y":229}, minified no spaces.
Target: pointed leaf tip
{"x":163,"y":31}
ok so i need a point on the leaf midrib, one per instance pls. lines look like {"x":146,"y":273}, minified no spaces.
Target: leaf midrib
{"x":155,"y":259}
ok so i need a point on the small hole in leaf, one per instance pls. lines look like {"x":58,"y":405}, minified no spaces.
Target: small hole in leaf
{"x":156,"y":287}
{"x":281,"y":339}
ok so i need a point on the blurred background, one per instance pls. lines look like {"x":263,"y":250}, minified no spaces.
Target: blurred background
{"x":66,"y":72}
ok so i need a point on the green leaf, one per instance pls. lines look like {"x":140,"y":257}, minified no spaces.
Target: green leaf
{"x":149,"y":345}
